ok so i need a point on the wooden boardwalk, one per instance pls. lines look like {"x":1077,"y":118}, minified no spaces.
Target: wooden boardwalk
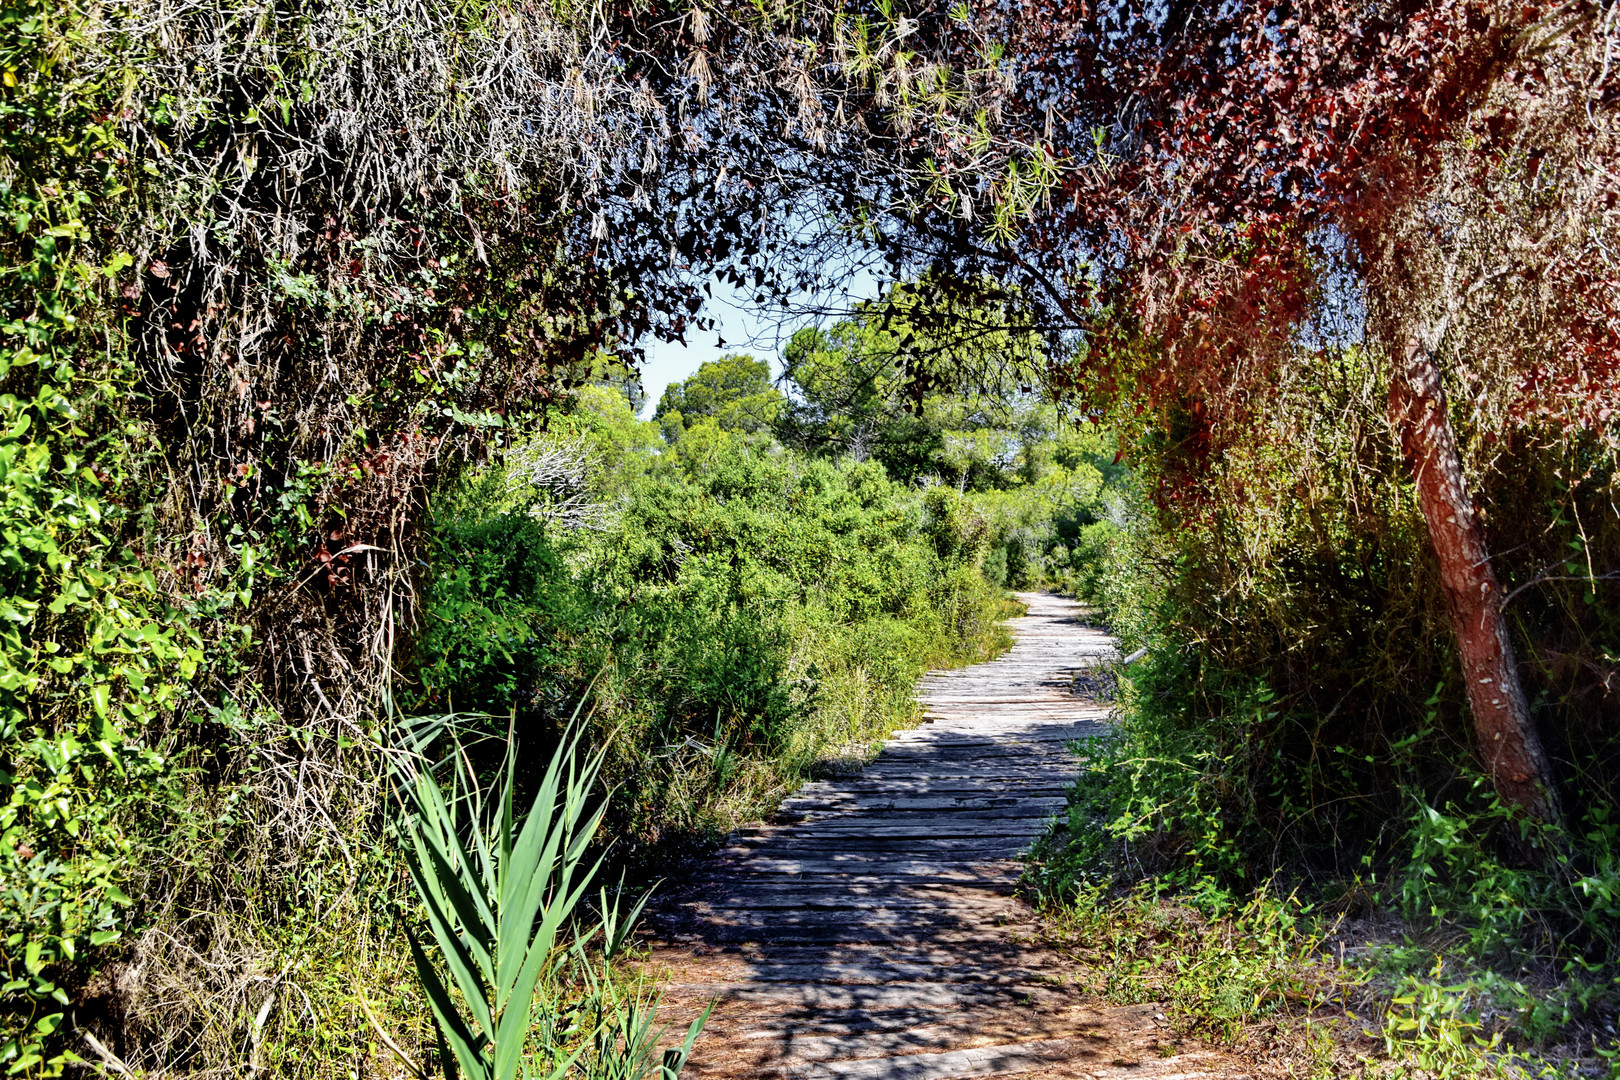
{"x":872,"y":932}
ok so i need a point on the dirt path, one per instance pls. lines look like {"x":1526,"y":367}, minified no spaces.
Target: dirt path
{"x":872,"y":932}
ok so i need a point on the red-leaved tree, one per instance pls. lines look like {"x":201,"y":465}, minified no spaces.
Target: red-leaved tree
{"x":1449,"y":165}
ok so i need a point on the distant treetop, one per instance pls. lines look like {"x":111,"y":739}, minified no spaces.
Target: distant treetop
{"x":735,"y":391}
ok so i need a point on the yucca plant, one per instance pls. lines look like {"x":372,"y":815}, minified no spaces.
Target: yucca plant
{"x":501,"y":896}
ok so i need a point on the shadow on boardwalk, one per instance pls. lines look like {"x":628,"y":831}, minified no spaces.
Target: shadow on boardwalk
{"x":872,"y":931}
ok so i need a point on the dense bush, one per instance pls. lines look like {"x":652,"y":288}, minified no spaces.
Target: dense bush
{"x":93,"y":651}
{"x":1298,"y":712}
{"x":962,"y":414}
{"x":742,"y":613}
{"x":734,"y":391}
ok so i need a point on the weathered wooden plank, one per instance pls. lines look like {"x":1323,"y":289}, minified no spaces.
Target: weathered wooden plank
{"x":959,"y":847}
{"x":807,"y":837}
{"x":952,"y":772}
{"x":1005,"y":886}
{"x":1046,"y":741}
{"x":850,"y":907}
{"x":1015,"y":803}
{"x":938,"y":958}
{"x":1033,"y":787}
{"x":867,"y":792}
{"x":1047,"y":751}
{"x":1014,"y":831}
{"x":799,"y":1049}
{"x":857,"y":873}
{"x":1041,"y":814}
{"x":877,"y":917}
{"x":1035,"y":784}
{"x":903,"y":995}
{"x":924,"y":824}
{"x":878,"y":804}
{"x":865,"y":868}
{"x":879,"y":974}
{"x":963,"y":893}
{"x":821,"y":901}
{"x":911,"y":808}
{"x":989,"y":905}
{"x":1016,"y":705}
{"x":883,"y":937}
{"x":1068,"y":772}
{"x":921,"y":754}
{"x":854,"y":1022}
{"x":978,"y":1061}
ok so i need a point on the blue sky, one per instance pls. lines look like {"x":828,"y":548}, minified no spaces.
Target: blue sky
{"x":764,"y":335}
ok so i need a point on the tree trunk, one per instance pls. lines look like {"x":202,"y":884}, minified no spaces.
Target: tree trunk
{"x":1508,"y":744}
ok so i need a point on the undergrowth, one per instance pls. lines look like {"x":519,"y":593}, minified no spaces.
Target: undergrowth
{"x":1458,"y":964}
{"x":744,"y":615}
{"x":1290,"y":788}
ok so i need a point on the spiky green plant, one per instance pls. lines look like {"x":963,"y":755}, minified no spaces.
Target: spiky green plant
{"x":501,"y":895}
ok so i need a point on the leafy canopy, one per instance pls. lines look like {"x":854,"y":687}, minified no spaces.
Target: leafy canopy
{"x":734,"y":391}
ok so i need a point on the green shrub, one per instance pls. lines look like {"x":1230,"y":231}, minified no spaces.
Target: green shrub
{"x":746,"y":612}
{"x":498,"y":620}
{"x":93,"y":651}
{"x":1297,"y":634}
{"x":502,"y":892}
{"x":1219,"y":965}
{"x":1299,"y":715}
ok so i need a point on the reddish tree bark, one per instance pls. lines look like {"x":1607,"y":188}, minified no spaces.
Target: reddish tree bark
{"x":1508,"y":743}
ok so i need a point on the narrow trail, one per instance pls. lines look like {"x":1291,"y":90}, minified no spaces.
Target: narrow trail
{"x":872,"y":932}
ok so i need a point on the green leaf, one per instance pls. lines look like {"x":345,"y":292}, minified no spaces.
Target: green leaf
{"x":465,"y":1048}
